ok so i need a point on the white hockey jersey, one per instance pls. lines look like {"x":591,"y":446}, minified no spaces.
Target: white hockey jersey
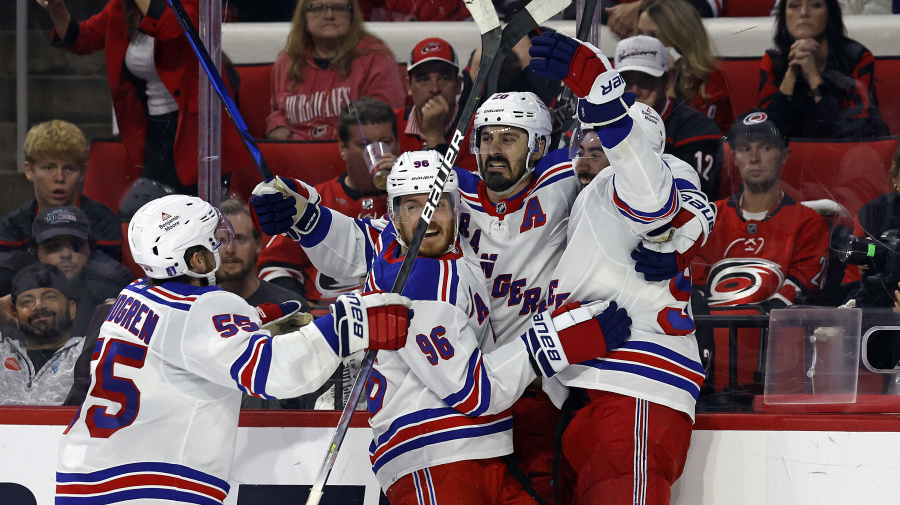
{"x":159,"y":422}
{"x":517,"y":242}
{"x":441,"y":398}
{"x":660,"y":362}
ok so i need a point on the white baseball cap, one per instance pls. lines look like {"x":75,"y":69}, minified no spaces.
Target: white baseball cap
{"x":643,"y":54}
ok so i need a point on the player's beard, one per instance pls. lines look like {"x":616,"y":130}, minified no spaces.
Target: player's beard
{"x":47,"y":330}
{"x":500,"y":181}
{"x":437,"y":240}
{"x":226,"y":274}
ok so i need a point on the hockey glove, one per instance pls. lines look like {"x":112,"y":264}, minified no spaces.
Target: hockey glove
{"x":371,"y":320}
{"x":285,"y":206}
{"x":665,"y":255}
{"x":586,"y":71}
{"x":575,"y":333}
{"x":283,"y":318}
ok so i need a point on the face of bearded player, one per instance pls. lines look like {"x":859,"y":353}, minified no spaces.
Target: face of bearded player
{"x":240,"y":255}
{"x":44,"y":316}
{"x":503,"y":153}
{"x":441,"y":230}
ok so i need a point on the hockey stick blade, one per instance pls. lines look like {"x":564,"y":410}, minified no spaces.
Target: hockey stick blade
{"x":495,"y":44}
{"x":219,"y":86}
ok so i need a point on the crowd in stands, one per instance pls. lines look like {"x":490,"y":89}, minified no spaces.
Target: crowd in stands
{"x":61,"y":253}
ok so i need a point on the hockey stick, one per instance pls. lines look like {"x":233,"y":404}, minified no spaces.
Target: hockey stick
{"x":219,"y":86}
{"x":563,"y":110}
{"x":496,"y":44}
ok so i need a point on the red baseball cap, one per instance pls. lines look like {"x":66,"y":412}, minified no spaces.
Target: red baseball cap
{"x":432,"y":49}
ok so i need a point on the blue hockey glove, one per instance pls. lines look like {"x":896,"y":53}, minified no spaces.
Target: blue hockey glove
{"x":285,"y":206}
{"x":656,"y":266}
{"x":586,"y":71}
{"x":575,"y":333}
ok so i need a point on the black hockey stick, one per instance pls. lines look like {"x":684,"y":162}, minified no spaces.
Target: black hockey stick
{"x":219,"y":85}
{"x":496,"y":44}
{"x":563,"y":110}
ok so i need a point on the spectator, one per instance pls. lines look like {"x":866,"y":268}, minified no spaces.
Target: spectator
{"x":155,"y":104}
{"x":690,"y":136}
{"x":872,"y":220}
{"x":767,"y":248}
{"x":411,"y":10}
{"x":328,"y":61}
{"x":38,"y":369}
{"x":352,"y":193}
{"x":56,"y":154}
{"x":622,"y":18}
{"x":238,"y":271}
{"x":699,"y":80}
{"x":433,"y":82}
{"x":817,"y":82}
{"x":62,"y":238}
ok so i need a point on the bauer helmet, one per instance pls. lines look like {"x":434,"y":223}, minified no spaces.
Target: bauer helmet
{"x":164,"y":229}
{"x":412,"y":174}
{"x":652,"y":124}
{"x":519,"y":109}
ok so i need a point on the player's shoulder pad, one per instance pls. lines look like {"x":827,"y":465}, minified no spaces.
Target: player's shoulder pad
{"x":431,"y":279}
{"x":468,"y":181}
{"x":552,"y":160}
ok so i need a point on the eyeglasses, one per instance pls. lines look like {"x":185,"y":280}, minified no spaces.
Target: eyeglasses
{"x":320,"y":8}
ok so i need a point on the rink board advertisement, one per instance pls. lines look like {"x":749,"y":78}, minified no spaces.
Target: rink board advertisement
{"x":734,"y":459}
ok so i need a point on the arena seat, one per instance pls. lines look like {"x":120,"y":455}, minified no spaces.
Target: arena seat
{"x":255,"y":90}
{"x":850,"y":173}
{"x":742,"y":79}
{"x":887,"y":73}
{"x":735,"y":362}
{"x":311,"y":162}
{"x":110,"y":173}
{"x":746,"y":8}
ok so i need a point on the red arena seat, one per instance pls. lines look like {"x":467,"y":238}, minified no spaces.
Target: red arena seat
{"x":110,"y":173}
{"x":254,"y":96}
{"x":887,"y":72}
{"x":311,"y":162}
{"x":747,"y":8}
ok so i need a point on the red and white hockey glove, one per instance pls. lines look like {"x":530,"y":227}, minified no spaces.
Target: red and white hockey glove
{"x":586,"y":71}
{"x":575,"y":333}
{"x":285,"y":206}
{"x":371,"y":320}
{"x":665,"y":255}
{"x":283,"y":318}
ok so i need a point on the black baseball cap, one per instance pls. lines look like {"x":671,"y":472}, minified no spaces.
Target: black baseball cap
{"x":60,"y":221}
{"x":39,"y":275}
{"x":756,"y":125}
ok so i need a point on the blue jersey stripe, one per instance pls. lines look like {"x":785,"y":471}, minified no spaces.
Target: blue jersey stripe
{"x":466,"y":390}
{"x":565,"y":174}
{"x":320,"y":231}
{"x":650,"y":373}
{"x":445,"y":436}
{"x":417,"y":417}
{"x":158,"y":299}
{"x":144,"y":467}
{"x":665,"y":353}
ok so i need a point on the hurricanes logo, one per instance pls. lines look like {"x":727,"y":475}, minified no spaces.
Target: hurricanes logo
{"x":755,"y":118}
{"x":743,"y":280}
{"x":431,"y":47}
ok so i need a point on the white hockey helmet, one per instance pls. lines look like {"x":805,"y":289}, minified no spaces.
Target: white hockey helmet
{"x":412,"y":174}
{"x":652,"y":124}
{"x":521,"y":109}
{"x":164,"y":229}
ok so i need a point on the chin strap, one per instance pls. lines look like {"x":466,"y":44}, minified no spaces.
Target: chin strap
{"x":209,"y":276}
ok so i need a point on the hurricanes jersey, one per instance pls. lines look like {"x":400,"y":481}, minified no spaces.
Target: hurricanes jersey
{"x":159,"y":422}
{"x":750,"y":261}
{"x":441,"y":398}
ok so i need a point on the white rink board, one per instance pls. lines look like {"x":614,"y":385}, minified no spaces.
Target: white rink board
{"x":724,"y":467}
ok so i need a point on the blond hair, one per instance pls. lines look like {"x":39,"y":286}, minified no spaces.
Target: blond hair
{"x":680,"y":27}
{"x":300,"y":42}
{"x":56,"y":139}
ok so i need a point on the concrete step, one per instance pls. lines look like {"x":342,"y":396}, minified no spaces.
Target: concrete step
{"x":43,"y":58}
{"x":79,"y":99}
{"x":9,"y":150}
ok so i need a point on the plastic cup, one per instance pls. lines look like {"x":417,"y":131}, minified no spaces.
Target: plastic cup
{"x":373,"y":154}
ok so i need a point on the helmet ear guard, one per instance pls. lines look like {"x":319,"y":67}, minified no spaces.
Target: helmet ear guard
{"x":162,"y":231}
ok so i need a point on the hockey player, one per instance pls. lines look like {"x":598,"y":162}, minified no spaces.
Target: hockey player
{"x":513,"y":216}
{"x":175,"y":353}
{"x":629,"y":443}
{"x":440,"y":405}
